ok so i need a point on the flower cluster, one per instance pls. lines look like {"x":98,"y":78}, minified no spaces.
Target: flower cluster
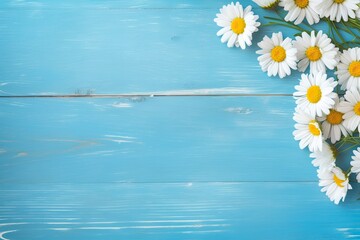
{"x":327,"y":114}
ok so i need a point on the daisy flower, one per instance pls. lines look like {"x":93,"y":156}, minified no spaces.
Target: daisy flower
{"x":325,"y":158}
{"x":299,"y":9}
{"x":316,"y":51}
{"x":237,"y":24}
{"x":315,"y":94}
{"x":307,"y":131}
{"x":333,"y":123}
{"x":355,"y":163}
{"x":335,"y":183}
{"x":337,"y":9}
{"x":351,"y":109}
{"x":266,"y":3}
{"x":348,"y":70}
{"x":277,"y":55}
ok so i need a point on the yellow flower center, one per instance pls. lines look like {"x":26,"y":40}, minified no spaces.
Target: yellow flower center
{"x":313,"y":53}
{"x":302,"y":3}
{"x":357,"y":108}
{"x":338,"y":181}
{"x":354,"y":68}
{"x":339,"y":1}
{"x":314,"y":128}
{"x":278,"y":54}
{"x":313,"y":94}
{"x":238,"y":25}
{"x":334,"y":117}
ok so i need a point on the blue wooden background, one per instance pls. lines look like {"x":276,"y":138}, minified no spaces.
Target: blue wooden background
{"x":193,"y":142}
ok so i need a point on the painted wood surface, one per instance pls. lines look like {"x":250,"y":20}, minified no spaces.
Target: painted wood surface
{"x":150,"y":139}
{"x":124,"y":47}
{"x":160,"y":168}
{"x":142,"y":167}
{"x":263,"y":210}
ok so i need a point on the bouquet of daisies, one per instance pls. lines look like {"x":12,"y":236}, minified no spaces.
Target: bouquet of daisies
{"x":327,"y":114}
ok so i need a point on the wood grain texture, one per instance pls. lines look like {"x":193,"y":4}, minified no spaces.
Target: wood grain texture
{"x":149,"y":167}
{"x":56,"y":47}
{"x":113,"y":4}
{"x":150,"y":139}
{"x":175,"y":211}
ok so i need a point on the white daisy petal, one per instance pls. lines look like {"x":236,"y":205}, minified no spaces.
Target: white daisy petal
{"x":355,"y":163}
{"x":266,"y":3}
{"x":325,"y":158}
{"x":277,"y":55}
{"x":335,"y":183}
{"x":336,"y":10}
{"x":351,"y":109}
{"x":333,"y":123}
{"x":298,"y":10}
{"x":314,"y":95}
{"x":308,"y":131}
{"x":316,"y":51}
{"x":238,"y":25}
{"x":348,"y":70}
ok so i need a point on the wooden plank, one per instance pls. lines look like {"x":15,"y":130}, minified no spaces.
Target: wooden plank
{"x":150,"y":139}
{"x":187,"y":210}
{"x":112,"y":4}
{"x":56,"y":47}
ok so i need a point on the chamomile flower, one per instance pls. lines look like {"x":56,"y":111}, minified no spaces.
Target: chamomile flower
{"x":237,"y":24}
{"x":335,"y":183}
{"x":355,"y":163}
{"x":325,"y":158}
{"x":317,"y":51}
{"x":277,"y":55}
{"x":307,"y":130}
{"x":299,"y":9}
{"x":266,"y":3}
{"x":315,"y":94}
{"x":348,"y":70}
{"x":333,"y":123}
{"x":358,"y":13}
{"x":337,"y":9}
{"x":351,"y":109}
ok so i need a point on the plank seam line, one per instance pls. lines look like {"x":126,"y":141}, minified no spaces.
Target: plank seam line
{"x":148,"y":95}
{"x":166,"y":182}
{"x":22,"y":8}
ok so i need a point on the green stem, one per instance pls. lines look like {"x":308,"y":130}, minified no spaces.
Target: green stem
{"x":348,"y":172}
{"x":285,"y":25}
{"x":348,"y":30}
